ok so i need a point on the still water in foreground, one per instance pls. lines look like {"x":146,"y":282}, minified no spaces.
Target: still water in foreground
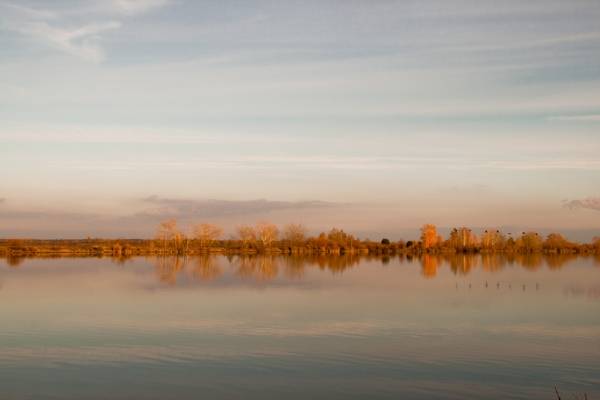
{"x":294,"y":328}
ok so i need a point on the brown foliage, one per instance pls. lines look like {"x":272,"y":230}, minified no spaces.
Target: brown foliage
{"x":267,"y":233}
{"x":295,"y":234}
{"x":206,"y":234}
{"x":429,"y":236}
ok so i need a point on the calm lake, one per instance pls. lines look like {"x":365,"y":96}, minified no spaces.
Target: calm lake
{"x":486,"y":327}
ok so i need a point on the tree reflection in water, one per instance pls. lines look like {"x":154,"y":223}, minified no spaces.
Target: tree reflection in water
{"x":14,"y":261}
{"x":557,"y":261}
{"x":261,"y":268}
{"x":429,"y":265}
{"x":294,"y":267}
{"x":265,"y":268}
{"x":491,"y":262}
{"x":206,"y":268}
{"x":461,"y":264}
{"x":167,"y":268}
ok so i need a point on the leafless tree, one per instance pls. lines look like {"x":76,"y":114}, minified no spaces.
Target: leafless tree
{"x":172,"y":237}
{"x":247,"y":234}
{"x":295,"y":233}
{"x":207,"y":234}
{"x":267,"y":233}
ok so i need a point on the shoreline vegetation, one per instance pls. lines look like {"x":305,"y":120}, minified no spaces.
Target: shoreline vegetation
{"x":292,"y":239}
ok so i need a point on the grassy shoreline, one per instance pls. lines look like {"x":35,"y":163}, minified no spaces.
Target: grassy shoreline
{"x":150,"y":247}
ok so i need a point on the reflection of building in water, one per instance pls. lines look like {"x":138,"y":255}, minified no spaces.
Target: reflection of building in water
{"x":429,"y":265}
{"x":206,"y":268}
{"x":168,"y":267}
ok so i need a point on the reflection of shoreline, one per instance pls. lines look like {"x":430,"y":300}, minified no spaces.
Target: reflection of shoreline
{"x":264,"y":268}
{"x":463,"y":264}
{"x":260,"y":268}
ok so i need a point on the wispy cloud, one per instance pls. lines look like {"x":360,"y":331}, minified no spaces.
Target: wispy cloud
{"x":591,"y":203}
{"x":84,"y":40}
{"x":31,"y":13}
{"x":133,"y":7}
{"x":52,"y":223}
{"x":188,"y":208}
{"x":577,"y":118}
{"x":540,"y":165}
{"x":338,"y":163}
{"x":2,"y":200}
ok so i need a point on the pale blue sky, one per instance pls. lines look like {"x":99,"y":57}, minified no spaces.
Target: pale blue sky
{"x":481,"y":113}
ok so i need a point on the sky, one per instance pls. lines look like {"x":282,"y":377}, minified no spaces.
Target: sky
{"x":373,"y":116}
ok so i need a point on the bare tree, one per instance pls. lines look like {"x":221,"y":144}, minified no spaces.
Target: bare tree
{"x":207,"y":234}
{"x":247,"y":234}
{"x":166,"y":232}
{"x":172,"y":237}
{"x":295,"y":233}
{"x":267,"y":233}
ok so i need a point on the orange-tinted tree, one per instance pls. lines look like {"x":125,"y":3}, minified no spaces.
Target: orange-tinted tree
{"x":173,"y":239}
{"x":429,"y":236}
{"x":294,"y":234}
{"x":267,"y":233}
{"x":463,"y":239}
{"x":247,"y":235}
{"x":206,"y":234}
{"x":493,"y":240}
{"x":529,"y":242}
{"x":557,"y":242}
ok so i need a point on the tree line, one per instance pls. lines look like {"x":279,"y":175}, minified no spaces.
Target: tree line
{"x":268,"y":238}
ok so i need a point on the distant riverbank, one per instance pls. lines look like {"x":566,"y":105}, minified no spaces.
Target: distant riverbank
{"x":267,"y":238}
{"x":336,"y":242}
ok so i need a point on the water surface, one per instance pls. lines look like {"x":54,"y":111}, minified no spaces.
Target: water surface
{"x":296,"y":328}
